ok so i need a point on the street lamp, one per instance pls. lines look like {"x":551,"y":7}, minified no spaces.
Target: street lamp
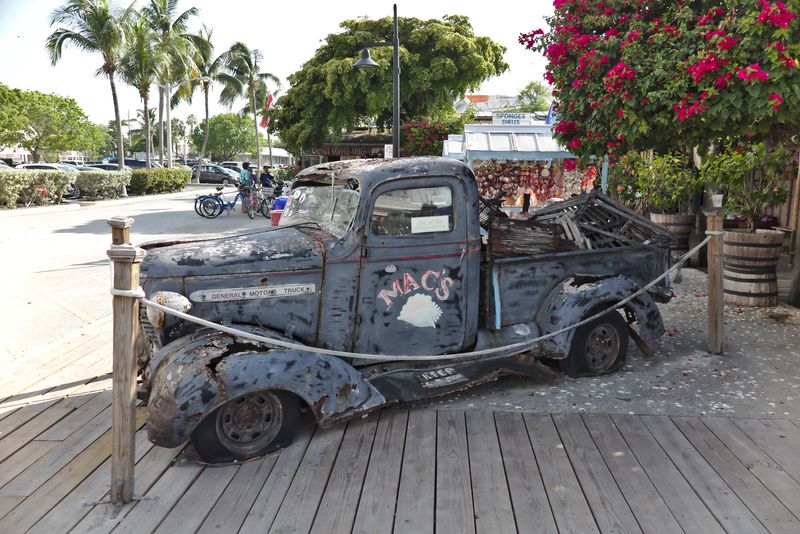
{"x":366,"y":62}
{"x":168,"y":88}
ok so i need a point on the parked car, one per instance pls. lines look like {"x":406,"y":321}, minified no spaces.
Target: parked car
{"x":73,"y":162}
{"x":233,"y":165}
{"x":4,"y":165}
{"x":136,"y":163}
{"x":48,"y":167}
{"x":216,"y":174}
{"x":106,"y":167}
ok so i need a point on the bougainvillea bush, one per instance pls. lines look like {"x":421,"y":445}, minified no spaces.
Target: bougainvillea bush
{"x":639,"y":74}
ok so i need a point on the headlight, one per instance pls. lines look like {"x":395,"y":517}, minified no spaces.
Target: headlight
{"x":170,"y":299}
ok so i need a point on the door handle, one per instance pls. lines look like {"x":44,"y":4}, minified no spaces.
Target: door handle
{"x":463,"y":248}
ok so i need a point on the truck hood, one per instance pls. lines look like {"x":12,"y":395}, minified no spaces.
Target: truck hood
{"x":280,"y":249}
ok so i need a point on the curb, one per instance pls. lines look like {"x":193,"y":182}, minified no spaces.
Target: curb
{"x":21,"y":212}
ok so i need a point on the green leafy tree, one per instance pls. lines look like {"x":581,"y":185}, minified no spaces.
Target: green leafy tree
{"x":533,"y":97}
{"x":10,"y":119}
{"x":669,"y":75}
{"x":49,"y":123}
{"x":228,"y":135}
{"x":440,"y":60}
{"x":177,"y":43}
{"x":92,"y":26}
{"x":140,"y":66}
{"x":244,"y":79}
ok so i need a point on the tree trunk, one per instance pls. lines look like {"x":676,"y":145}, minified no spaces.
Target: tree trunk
{"x":147,"y":154}
{"x":118,"y":124}
{"x":255,"y":125}
{"x":794,"y":288}
{"x":205,"y":133}
{"x":161,"y":126}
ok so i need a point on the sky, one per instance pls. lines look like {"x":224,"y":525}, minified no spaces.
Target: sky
{"x":287,"y":33}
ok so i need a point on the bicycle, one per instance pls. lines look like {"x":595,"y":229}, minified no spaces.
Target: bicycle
{"x":211,"y":206}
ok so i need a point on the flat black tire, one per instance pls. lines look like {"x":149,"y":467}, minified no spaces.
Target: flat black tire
{"x":599,"y":347}
{"x":210,"y":207}
{"x":248,"y":426}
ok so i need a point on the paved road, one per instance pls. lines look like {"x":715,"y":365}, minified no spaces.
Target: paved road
{"x":54,"y":272}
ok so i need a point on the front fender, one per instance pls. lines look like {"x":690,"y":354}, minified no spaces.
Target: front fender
{"x":198,"y":373}
{"x":578,"y":297}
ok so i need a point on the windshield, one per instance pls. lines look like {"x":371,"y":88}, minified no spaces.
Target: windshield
{"x":332,"y":208}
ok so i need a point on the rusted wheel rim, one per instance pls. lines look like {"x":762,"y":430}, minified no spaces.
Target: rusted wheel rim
{"x":602,"y":347}
{"x":249,"y":423}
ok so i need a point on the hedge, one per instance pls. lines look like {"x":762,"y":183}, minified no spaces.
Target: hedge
{"x":33,"y":187}
{"x":149,"y":181}
{"x":98,"y":185}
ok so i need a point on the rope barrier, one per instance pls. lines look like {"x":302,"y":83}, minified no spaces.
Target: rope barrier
{"x":514,"y":347}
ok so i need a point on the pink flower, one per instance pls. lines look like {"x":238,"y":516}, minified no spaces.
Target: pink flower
{"x":776,"y":101}
{"x":775,"y":13}
{"x":722,"y":81}
{"x":727,"y":43}
{"x":565,"y":127}
{"x":575,"y":143}
{"x":570,"y":164}
{"x":620,"y":113}
{"x":752,"y":72}
{"x":617,"y":75}
{"x":709,"y":63}
{"x":556,"y":53}
{"x":611,"y":32}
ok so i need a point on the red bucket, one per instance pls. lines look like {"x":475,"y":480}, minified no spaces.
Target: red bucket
{"x":276,"y":216}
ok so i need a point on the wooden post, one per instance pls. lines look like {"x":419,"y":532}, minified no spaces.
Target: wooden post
{"x":126,"y":260}
{"x":716,"y":305}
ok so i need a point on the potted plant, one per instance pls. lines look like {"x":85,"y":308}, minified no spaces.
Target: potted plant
{"x":670,"y":186}
{"x":750,"y":178}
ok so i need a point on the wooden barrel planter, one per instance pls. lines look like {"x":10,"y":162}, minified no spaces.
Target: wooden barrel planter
{"x":749,"y":267}
{"x":681,"y":227}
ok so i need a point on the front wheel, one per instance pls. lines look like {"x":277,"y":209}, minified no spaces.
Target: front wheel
{"x":598,"y":347}
{"x":265,"y":208}
{"x":252,"y":425}
{"x":210,"y":207}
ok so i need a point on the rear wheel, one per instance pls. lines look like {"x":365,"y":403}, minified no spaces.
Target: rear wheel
{"x":598,"y":347}
{"x":248,"y":426}
{"x":265,"y":208}
{"x":249,"y":206}
{"x":210,"y":207}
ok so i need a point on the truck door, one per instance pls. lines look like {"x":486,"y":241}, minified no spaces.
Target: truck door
{"x":414,"y":269}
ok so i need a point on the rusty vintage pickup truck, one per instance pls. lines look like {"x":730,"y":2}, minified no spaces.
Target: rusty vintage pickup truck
{"x":384,"y":257}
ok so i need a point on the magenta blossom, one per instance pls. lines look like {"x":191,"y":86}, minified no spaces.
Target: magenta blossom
{"x":753,"y":72}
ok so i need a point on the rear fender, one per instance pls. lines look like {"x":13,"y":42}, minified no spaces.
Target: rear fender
{"x":579,"y":297}
{"x":198,"y":373}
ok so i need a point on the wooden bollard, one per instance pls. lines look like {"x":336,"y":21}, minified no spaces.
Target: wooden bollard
{"x":126,"y":259}
{"x":716,"y":305}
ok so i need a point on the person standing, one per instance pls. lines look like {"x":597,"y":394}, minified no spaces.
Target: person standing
{"x":266,"y":178}
{"x":245,"y":178}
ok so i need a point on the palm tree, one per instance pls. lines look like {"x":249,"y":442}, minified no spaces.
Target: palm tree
{"x":243,"y":79}
{"x":91,"y":26}
{"x":139,"y":132}
{"x":208,"y":69}
{"x":140,"y":65}
{"x":177,"y":44}
{"x":263,"y":106}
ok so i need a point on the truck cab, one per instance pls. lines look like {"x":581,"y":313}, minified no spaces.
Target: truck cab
{"x":382,"y":280}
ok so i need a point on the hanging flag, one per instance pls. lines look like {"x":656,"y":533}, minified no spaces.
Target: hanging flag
{"x":264,"y":117}
{"x":552,"y":115}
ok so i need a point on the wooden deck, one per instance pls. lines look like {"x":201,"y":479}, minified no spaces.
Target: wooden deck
{"x":403,"y":470}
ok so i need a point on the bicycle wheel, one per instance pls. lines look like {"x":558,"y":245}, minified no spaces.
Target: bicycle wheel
{"x":210,"y":207}
{"x":248,"y":205}
{"x":265,"y":207}
{"x":197,"y":205}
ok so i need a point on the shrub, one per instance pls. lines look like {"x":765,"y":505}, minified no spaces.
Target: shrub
{"x":285,"y":174}
{"x":29,"y":187}
{"x":98,"y":185}
{"x":669,"y":183}
{"x":149,"y":181}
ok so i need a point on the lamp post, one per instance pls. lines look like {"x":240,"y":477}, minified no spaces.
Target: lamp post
{"x":366,"y":62}
{"x":168,"y":89}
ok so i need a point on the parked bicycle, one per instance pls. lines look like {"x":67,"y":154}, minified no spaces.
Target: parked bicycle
{"x":211,"y":206}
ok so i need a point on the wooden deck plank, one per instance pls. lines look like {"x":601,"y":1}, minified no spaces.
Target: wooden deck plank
{"x":679,"y":496}
{"x":785,"y":431}
{"x":27,"y":432}
{"x":570,"y":508}
{"x":337,"y":510}
{"x":75,"y":420}
{"x":611,"y":511}
{"x":375,"y":514}
{"x":528,"y":496}
{"x":8,"y":503}
{"x":231,"y":509}
{"x":758,"y":462}
{"x":191,"y":510}
{"x":147,"y":514}
{"x":262,"y":514}
{"x":729,"y":511}
{"x":758,"y":499}
{"x":298,"y":510}
{"x":74,"y":507}
{"x":22,"y":414}
{"x":776,"y":447}
{"x":493,"y":510}
{"x":417,"y":494}
{"x":22,"y":459}
{"x":103,"y":518}
{"x":644,"y":500}
{"x":454,"y":507}
{"x":59,"y":456}
{"x":48,"y":495}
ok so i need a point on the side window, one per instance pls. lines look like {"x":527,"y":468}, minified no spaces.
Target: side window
{"x":422,"y":210}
